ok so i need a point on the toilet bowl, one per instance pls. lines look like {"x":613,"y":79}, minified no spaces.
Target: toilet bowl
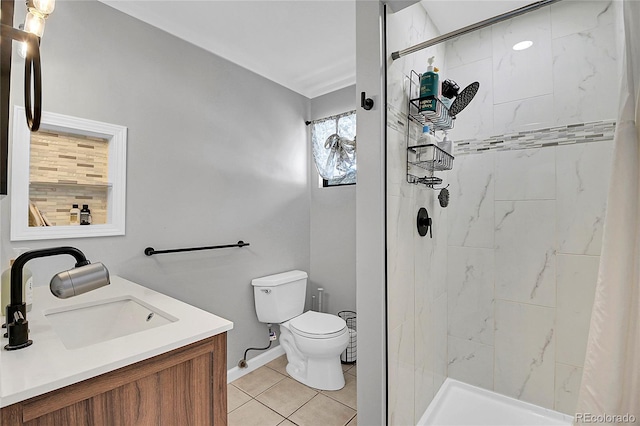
{"x":313,"y":343}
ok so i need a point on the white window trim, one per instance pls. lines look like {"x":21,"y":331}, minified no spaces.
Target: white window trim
{"x":117,"y":137}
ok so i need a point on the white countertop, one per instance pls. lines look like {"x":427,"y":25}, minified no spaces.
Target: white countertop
{"x":47,"y":364}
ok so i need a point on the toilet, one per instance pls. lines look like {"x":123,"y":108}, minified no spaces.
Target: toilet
{"x":312,"y":341}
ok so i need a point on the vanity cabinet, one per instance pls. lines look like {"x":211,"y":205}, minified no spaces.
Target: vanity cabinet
{"x":186,"y":386}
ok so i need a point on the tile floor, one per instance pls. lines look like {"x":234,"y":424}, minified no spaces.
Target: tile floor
{"x":269,"y":397}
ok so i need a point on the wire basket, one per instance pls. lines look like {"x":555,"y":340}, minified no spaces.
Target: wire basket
{"x":350,"y":353}
{"x":427,"y":110}
{"x":429,"y":157}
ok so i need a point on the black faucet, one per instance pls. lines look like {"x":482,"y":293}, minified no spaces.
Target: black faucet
{"x":83,"y":278}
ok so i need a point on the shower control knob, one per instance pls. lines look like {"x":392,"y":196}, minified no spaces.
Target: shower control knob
{"x":424,"y":223}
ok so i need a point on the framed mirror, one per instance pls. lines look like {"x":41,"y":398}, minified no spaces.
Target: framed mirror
{"x":68,"y":180}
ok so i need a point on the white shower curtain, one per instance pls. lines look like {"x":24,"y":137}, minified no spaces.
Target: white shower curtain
{"x":611,"y":378}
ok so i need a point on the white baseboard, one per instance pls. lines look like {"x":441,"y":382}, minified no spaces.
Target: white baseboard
{"x":254,"y":363}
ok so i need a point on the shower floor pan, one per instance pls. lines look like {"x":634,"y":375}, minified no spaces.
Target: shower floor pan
{"x":458,"y":403}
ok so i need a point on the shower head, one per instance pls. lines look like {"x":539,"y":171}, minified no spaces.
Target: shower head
{"x":464,"y":98}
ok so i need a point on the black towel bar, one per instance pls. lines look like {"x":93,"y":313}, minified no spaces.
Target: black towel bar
{"x":150,"y":251}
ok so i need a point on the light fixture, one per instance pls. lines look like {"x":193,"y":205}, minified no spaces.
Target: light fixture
{"x":22,"y":49}
{"x":29,"y":38}
{"x":43,"y":7}
{"x":34,"y":24}
{"x":525,"y":44}
{"x":22,"y":46}
{"x":39,"y":10}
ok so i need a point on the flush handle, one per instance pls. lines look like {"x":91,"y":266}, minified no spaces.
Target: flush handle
{"x":266,"y":291}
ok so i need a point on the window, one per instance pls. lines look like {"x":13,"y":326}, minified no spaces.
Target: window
{"x":334,"y":149}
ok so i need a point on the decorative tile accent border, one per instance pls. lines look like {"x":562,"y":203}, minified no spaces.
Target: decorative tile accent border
{"x":551,"y":136}
{"x":396,"y":119}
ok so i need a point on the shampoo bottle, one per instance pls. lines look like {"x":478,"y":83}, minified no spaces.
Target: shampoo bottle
{"x":85,"y":215}
{"x":426,"y":137}
{"x":445,"y":144}
{"x":429,"y":88}
{"x":27,"y":287}
{"x":446,"y":102}
{"x":74,"y":215}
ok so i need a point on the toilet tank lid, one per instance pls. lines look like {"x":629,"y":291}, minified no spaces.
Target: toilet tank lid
{"x":278,"y":279}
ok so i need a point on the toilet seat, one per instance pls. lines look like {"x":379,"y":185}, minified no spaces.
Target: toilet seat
{"x":317,"y":325}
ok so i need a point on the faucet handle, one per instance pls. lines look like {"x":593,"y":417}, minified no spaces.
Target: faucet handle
{"x":18,"y":331}
{"x":12,"y":310}
{"x":18,"y":317}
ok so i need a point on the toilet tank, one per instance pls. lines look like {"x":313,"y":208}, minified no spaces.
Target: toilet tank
{"x":280,"y":297}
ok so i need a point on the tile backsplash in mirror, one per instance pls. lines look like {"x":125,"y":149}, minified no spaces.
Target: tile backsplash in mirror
{"x":68,"y":169}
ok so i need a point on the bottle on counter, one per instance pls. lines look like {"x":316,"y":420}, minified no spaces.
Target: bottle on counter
{"x":85,"y":215}
{"x":74,"y":215}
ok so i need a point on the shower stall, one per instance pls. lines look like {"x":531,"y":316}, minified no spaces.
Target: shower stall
{"x":500,"y":296}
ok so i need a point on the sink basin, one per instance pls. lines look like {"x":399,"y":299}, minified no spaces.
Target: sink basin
{"x":88,"y":324}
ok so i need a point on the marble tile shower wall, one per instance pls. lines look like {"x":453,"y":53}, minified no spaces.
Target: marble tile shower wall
{"x":525,"y":229}
{"x":416,"y":266}
{"x":568,"y":76}
{"x":525,"y":220}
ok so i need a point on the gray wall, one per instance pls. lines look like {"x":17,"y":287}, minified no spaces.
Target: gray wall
{"x":333,"y":222}
{"x":216,"y":154}
{"x":370,"y":217}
